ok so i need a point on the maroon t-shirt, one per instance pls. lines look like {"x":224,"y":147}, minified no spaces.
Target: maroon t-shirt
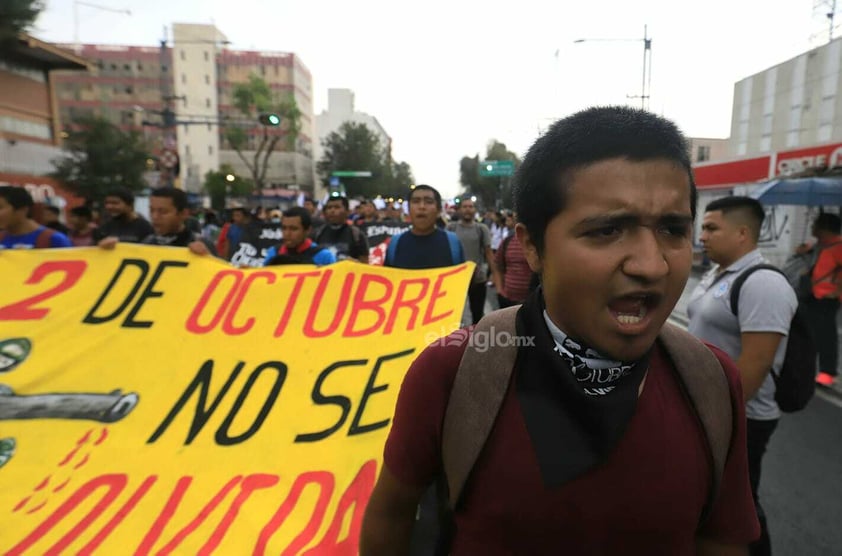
{"x":646,"y":499}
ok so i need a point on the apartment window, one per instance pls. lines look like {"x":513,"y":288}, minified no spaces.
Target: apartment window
{"x":186,"y":129}
{"x":184,"y":78}
{"x":210,"y":149}
{"x":207,"y":56}
{"x":207,"y":79}
{"x":209,"y":127}
{"x":765,"y":144}
{"x":127,"y":67}
{"x":183,"y":55}
{"x":703,"y":153}
{"x":187,"y":148}
{"x":24,"y":127}
{"x":113,"y":67}
{"x":139,"y":66}
{"x":207,"y":103}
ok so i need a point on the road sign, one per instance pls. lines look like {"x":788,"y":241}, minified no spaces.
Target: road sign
{"x":169,"y":158}
{"x":488,"y":168}
{"x":350,"y":174}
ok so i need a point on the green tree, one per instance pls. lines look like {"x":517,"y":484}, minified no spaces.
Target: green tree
{"x":354,"y":147}
{"x":219,"y":187}
{"x":252,"y":99}
{"x":488,"y":189}
{"x":17,"y":16}
{"x":98,"y":156}
{"x":402,"y":179}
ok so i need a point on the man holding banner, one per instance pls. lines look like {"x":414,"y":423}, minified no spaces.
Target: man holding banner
{"x":593,"y":445}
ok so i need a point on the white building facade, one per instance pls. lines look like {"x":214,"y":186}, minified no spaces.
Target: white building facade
{"x":340,"y":109}
{"x":793,"y":104}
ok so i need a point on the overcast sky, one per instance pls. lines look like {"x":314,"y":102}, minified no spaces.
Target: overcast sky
{"x":445,"y":77}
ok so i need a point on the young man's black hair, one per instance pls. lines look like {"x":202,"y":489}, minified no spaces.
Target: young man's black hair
{"x":82,"y":211}
{"x":178,"y":196}
{"x":340,"y":198}
{"x":828,"y":222}
{"x":54,"y":210}
{"x":302,"y":213}
{"x":749,"y":209}
{"x":18,"y":197}
{"x":121,"y":193}
{"x":590,"y":136}
{"x":425,"y":187}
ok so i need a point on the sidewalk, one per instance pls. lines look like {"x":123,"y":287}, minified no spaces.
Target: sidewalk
{"x":679,"y":316}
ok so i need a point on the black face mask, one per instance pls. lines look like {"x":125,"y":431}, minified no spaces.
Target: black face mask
{"x":575,"y":412}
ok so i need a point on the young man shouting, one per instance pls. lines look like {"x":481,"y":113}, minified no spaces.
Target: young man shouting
{"x":596,"y":448}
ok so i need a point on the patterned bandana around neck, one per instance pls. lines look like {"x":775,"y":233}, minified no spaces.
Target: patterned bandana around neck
{"x":574,"y":420}
{"x":594,"y":372}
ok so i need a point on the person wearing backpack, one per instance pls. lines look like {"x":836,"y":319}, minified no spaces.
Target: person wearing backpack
{"x":825,"y":288}
{"x":602,"y":437}
{"x":297,"y":247}
{"x":17,"y":228}
{"x":754,"y":333}
{"x":476,"y":243}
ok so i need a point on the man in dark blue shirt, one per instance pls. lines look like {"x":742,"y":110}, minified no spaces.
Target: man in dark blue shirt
{"x":424,"y":245}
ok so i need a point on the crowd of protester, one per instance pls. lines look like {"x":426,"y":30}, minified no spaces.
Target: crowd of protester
{"x":337,"y":229}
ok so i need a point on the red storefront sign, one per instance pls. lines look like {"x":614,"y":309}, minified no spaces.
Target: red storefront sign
{"x":758,"y":168}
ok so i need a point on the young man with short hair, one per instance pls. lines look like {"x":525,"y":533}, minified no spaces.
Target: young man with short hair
{"x":51,"y":218}
{"x":169,"y":211}
{"x":17,"y":229}
{"x":297,"y":247}
{"x":124,"y":224}
{"x":317,"y":221}
{"x":81,"y":227}
{"x":424,"y":245}
{"x":346,"y":241}
{"x":595,"y":448}
{"x":476,"y":242}
{"x":755,"y":337}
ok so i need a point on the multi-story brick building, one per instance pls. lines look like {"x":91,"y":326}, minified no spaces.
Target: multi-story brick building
{"x":30,"y":126}
{"x":193,"y":75}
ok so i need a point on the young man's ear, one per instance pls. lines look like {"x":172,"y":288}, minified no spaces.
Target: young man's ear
{"x":529,"y":249}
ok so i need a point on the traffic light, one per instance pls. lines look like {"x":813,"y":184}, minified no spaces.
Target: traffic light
{"x":269,"y":119}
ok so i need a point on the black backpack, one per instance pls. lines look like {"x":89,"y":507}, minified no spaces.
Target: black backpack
{"x":305,"y":257}
{"x":796,"y":382}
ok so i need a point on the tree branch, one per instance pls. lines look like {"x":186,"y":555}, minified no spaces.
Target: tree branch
{"x":269,"y":150}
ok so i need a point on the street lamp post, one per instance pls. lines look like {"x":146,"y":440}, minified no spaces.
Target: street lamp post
{"x":646,"y":85}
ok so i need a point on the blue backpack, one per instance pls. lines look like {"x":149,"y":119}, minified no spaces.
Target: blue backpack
{"x":456,"y":255}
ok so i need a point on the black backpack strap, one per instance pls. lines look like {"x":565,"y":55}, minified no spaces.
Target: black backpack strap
{"x":478,"y":391}
{"x":705,"y":384}
{"x":737,"y":284}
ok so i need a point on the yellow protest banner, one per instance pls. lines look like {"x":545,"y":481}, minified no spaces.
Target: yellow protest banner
{"x":157,"y":402}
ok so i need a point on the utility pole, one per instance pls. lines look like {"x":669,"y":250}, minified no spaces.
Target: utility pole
{"x":76,"y":4}
{"x":646,"y":85}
